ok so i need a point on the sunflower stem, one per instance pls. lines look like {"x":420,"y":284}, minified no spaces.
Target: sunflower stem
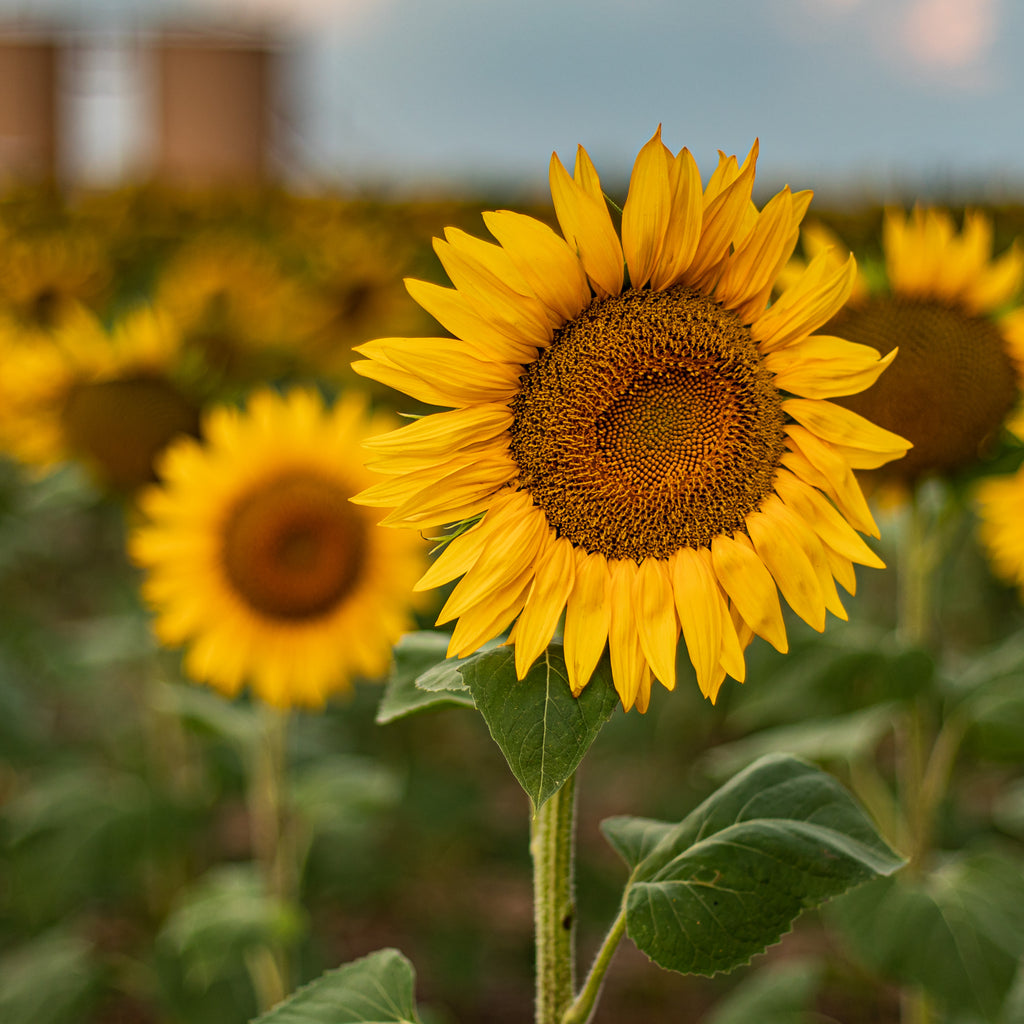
{"x":552,"y":848}
{"x":583,"y":1006}
{"x":271,"y":839}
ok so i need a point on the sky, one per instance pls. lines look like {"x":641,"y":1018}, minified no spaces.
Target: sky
{"x":870,"y":96}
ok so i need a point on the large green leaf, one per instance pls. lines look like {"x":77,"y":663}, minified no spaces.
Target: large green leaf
{"x":958,"y":932}
{"x":422,"y":678}
{"x":378,"y":989}
{"x":707,"y":894}
{"x":541,"y":728}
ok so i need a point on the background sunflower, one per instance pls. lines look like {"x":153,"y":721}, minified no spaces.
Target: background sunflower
{"x":257,"y":562}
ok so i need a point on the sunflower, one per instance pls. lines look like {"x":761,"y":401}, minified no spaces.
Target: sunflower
{"x":238,"y":307}
{"x":1000,"y":506}
{"x":46,"y":275}
{"x":649,"y":458}
{"x":257,"y":561}
{"x":949,"y":306}
{"x":107,"y":398}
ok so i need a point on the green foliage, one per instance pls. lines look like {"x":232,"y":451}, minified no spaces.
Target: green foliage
{"x":227,"y":915}
{"x":707,"y":894}
{"x":378,"y":989}
{"x":958,"y":932}
{"x":47,"y":981}
{"x":781,"y":994}
{"x":421,"y":678}
{"x":541,"y":728}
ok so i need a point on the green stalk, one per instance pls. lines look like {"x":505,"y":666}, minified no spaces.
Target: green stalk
{"x":272,"y":845}
{"x":552,"y":839}
{"x":921,"y":776}
{"x":583,"y":1006}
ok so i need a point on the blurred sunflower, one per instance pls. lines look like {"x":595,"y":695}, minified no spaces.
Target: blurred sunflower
{"x":949,"y":306}
{"x":45,"y":276}
{"x":108,"y":399}
{"x":629,"y":454}
{"x":1000,"y":507}
{"x":257,"y":561}
{"x":238,"y":308}
{"x":354,"y":271}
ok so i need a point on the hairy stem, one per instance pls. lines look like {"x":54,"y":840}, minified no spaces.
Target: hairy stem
{"x":583,"y":1006}
{"x":552,"y":841}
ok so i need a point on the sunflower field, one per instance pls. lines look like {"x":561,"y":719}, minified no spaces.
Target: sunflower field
{"x":603,"y":606}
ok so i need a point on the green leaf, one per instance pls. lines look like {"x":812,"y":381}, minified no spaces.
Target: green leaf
{"x":226,"y":916}
{"x":995,"y":713}
{"x":957,"y":932}
{"x":634,"y":838}
{"x":728,"y":880}
{"x":839,"y":738}
{"x":541,"y":728}
{"x":48,"y":980}
{"x":378,"y":989}
{"x":343,"y":793}
{"x":422,"y":677}
{"x":780,"y":994}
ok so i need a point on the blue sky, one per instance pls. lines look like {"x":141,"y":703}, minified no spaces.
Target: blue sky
{"x":851,"y":95}
{"x":854,"y":93}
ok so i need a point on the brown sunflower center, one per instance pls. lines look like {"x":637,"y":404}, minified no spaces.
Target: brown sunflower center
{"x":649,"y":424}
{"x":294,"y":547}
{"x":949,"y":389}
{"x":119,"y":426}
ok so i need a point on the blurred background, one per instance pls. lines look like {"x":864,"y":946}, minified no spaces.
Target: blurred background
{"x":848,"y":95}
{"x":227,"y":158}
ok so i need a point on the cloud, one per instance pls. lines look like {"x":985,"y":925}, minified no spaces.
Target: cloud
{"x":354,"y":16}
{"x":947,"y":35}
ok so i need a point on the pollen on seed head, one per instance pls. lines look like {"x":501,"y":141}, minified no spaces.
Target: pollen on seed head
{"x":649,"y":424}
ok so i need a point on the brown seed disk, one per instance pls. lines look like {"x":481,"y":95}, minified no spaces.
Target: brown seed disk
{"x":649,"y":424}
{"x":294,"y":547}
{"x":948,"y":390}
{"x":119,"y":426}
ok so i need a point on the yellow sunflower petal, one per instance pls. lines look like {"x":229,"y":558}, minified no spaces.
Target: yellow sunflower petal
{"x":722,"y":220}
{"x":587,"y":227}
{"x":505,"y":558}
{"x":822,"y":366}
{"x":552,"y":585}
{"x":587,"y":618}
{"x":833,"y":423}
{"x":816,"y":462}
{"x":806,"y":305}
{"x":423,"y":368}
{"x":463,"y":552}
{"x":684,"y":224}
{"x":823,"y":517}
{"x":484,"y":334}
{"x":483,"y":285}
{"x":444,"y":432}
{"x":751,"y":267}
{"x":645,"y":215}
{"x":485,"y":621}
{"x":788,"y":564}
{"x":550,"y":267}
{"x":630,"y":671}
{"x":699,"y":606}
{"x":750,"y":586}
{"x":656,"y":622}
